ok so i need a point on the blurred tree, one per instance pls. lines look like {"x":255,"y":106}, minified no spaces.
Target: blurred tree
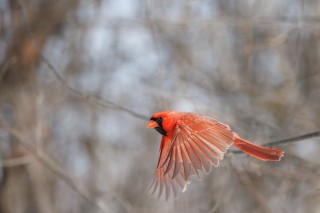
{"x":251,"y":64}
{"x":22,"y":187}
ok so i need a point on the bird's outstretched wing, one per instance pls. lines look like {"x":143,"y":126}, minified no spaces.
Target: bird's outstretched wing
{"x":198,"y":143}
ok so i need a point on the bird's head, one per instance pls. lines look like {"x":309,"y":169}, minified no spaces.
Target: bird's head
{"x":162,"y":122}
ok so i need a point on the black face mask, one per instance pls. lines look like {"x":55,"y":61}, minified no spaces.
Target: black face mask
{"x":159,"y":128}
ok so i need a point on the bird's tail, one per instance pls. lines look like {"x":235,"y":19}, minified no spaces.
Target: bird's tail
{"x":260,"y":152}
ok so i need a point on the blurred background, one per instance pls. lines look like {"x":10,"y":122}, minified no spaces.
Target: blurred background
{"x":251,"y":64}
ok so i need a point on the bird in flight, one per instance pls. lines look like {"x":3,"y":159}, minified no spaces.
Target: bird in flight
{"x":192,"y":142}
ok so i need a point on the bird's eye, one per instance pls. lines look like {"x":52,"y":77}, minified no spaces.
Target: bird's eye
{"x":159,"y":120}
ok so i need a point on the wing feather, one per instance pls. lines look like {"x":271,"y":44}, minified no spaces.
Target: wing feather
{"x":201,"y":150}
{"x":214,"y":140}
{"x":186,"y":162}
{"x":167,"y":184}
{"x":178,"y":161}
{"x":195,"y":161}
{"x":171,"y":161}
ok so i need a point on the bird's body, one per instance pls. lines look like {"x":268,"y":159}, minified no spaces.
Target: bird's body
{"x":192,"y":142}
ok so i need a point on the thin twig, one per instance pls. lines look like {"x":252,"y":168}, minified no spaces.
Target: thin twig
{"x":284,"y":141}
{"x":290,"y":140}
{"x":90,"y":99}
{"x":54,"y":167}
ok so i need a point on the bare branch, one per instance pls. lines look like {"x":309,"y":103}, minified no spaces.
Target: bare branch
{"x":88,"y":98}
{"x":284,"y":141}
{"x":295,"y":139}
{"x":54,"y":167}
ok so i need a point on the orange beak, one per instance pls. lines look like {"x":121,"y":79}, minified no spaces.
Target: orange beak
{"x":152,"y":124}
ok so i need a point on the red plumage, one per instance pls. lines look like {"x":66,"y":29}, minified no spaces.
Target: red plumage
{"x":192,"y":142}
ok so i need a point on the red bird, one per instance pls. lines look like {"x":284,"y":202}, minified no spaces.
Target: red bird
{"x":192,"y":142}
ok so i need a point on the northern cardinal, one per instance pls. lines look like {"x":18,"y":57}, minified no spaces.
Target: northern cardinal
{"x":192,"y":142}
